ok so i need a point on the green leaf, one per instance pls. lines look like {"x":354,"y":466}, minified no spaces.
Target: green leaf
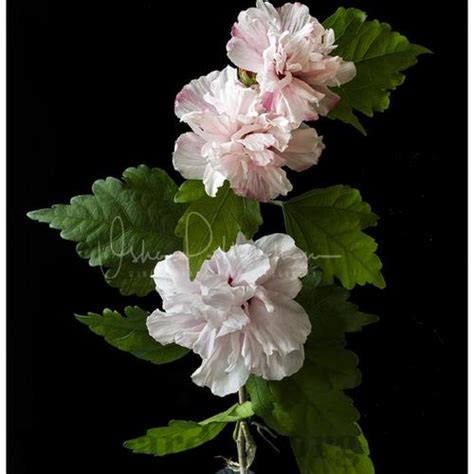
{"x":125,"y":226}
{"x":191,"y":190}
{"x":331,"y":314}
{"x":380,"y":56}
{"x":312,"y":401}
{"x":327,"y":224}
{"x":209,"y":223}
{"x":316,"y":457}
{"x":130,"y":334}
{"x":310,"y":407}
{"x":182,"y":435}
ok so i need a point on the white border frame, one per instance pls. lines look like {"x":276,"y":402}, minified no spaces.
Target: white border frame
{"x":3,"y":312}
{"x":470,"y":236}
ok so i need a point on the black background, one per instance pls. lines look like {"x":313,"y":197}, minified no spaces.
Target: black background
{"x":91,"y":90}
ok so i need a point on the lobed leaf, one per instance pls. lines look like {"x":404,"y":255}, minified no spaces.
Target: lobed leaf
{"x":130,"y":334}
{"x":380,"y":56}
{"x":125,"y":226}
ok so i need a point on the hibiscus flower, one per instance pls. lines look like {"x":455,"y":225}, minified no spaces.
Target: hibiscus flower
{"x":290,"y":52}
{"x":234,"y":138}
{"x":238,"y":314}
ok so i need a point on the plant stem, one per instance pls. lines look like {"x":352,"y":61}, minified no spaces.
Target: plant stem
{"x":242,"y":395}
{"x":241,"y":439}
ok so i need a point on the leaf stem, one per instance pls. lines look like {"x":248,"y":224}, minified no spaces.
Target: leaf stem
{"x":241,"y":438}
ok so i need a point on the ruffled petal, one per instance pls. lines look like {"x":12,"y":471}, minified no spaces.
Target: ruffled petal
{"x":345,"y":73}
{"x":283,"y":330}
{"x":295,"y":17}
{"x":278,"y":366}
{"x":262,"y":183}
{"x":289,"y":264}
{"x":191,"y":98}
{"x":329,"y":102}
{"x":171,"y":276}
{"x":250,"y":36}
{"x":291,"y":52}
{"x":212,"y":179}
{"x":258,"y":141}
{"x":187,"y":158}
{"x":248,"y":264}
{"x":237,"y":314}
{"x":304,"y":149}
{"x":230,"y":97}
{"x":183,"y":329}
{"x":224,"y":372}
{"x":296,"y":101}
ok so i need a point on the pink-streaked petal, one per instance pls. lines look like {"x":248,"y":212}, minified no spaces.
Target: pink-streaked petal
{"x":262,"y":183}
{"x":250,"y":36}
{"x":243,"y":55}
{"x":291,"y":52}
{"x":295,"y":17}
{"x":191,"y":97}
{"x":187,"y":158}
{"x":304,"y":149}
{"x":297,"y":101}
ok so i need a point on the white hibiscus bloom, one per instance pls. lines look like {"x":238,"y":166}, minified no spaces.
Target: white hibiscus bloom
{"x":239,"y":313}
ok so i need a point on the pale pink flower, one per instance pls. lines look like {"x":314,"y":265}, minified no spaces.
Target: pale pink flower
{"x":234,"y":138}
{"x":238,"y":314}
{"x":290,"y":52}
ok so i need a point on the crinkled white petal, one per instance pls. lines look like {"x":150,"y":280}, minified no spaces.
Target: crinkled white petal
{"x":179,"y":328}
{"x":248,"y":264}
{"x":224,"y":372}
{"x":212,"y":179}
{"x":278,"y":366}
{"x":289,"y":264}
{"x":238,"y":313}
{"x":282,"y":330}
{"x":171,"y":276}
